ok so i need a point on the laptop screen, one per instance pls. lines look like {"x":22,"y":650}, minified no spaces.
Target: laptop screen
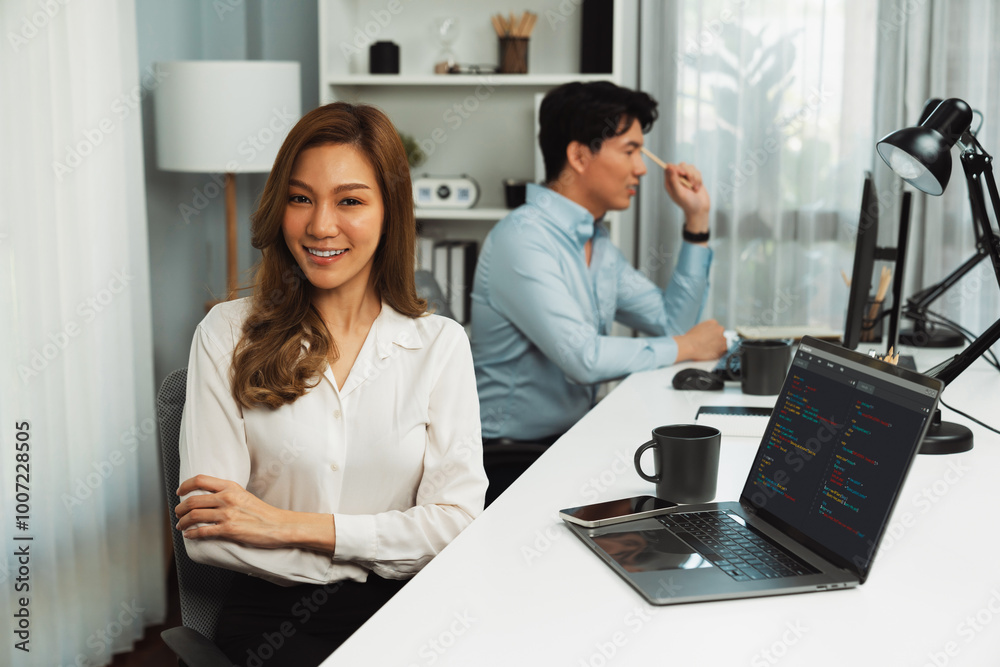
{"x":843,"y":433}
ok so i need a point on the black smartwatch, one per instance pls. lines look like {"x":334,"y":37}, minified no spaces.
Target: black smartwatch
{"x":691,"y":237}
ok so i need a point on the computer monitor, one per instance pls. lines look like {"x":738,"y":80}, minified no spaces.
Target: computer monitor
{"x":866,"y":253}
{"x":864,"y":264}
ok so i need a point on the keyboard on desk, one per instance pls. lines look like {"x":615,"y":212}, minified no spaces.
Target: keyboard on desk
{"x":737,"y":550}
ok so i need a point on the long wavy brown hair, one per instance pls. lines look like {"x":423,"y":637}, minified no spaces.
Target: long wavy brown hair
{"x":270,"y":366}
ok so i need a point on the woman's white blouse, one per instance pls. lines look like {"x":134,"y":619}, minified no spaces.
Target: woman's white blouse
{"x":395,"y":456}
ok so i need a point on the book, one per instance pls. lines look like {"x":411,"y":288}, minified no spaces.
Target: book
{"x":441,"y":269}
{"x":426,"y":240}
{"x":461,"y":272}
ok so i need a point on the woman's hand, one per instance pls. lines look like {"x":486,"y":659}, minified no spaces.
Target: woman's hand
{"x":229,"y":512}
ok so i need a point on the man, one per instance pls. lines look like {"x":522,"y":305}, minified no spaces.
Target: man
{"x":549,"y":283}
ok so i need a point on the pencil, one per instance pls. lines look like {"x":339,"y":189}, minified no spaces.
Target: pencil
{"x":522,"y":25}
{"x":885,"y":277}
{"x":664,"y":165}
{"x":497,"y":25}
{"x":532,"y":17}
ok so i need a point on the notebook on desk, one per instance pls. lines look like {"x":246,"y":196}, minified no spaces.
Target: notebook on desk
{"x":793,"y":332}
{"x":735,"y":420}
{"x":817,"y":498}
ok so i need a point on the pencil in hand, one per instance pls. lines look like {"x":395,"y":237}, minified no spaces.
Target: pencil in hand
{"x":663,"y":165}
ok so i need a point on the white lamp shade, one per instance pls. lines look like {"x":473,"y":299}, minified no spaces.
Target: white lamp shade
{"x":225,"y":115}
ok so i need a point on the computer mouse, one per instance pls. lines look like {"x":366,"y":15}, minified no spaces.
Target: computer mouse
{"x":698,"y":379}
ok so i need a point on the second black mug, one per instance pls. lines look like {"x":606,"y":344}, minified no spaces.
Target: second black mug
{"x":763,"y":365}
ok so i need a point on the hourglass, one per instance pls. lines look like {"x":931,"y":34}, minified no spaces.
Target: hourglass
{"x":446,"y":31}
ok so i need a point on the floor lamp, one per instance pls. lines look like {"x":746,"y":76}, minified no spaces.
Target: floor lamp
{"x":224,"y":117}
{"x":921,"y":156}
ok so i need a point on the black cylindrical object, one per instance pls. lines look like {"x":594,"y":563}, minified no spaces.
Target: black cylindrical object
{"x":597,"y":36}
{"x":764,"y":365}
{"x":686,"y":458}
{"x":515,"y":192}
{"x":383,"y":58}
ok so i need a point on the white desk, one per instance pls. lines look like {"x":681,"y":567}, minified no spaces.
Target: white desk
{"x":516,"y":588}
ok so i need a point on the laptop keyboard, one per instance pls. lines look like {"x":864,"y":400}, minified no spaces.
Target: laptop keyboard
{"x":738,"y":551}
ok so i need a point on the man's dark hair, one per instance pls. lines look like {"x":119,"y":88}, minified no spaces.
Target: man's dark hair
{"x":588,"y":113}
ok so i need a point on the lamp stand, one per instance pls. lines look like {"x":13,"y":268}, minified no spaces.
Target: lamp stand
{"x":916,"y":307}
{"x":944,"y":437}
{"x":232,"y":263}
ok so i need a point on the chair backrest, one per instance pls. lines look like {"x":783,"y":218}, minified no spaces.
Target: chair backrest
{"x":202,"y":587}
{"x":428,"y":288}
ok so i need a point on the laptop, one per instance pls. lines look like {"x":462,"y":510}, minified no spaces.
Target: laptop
{"x":817,"y":499}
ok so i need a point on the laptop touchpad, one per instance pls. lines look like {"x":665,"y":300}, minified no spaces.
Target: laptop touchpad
{"x":645,"y":546}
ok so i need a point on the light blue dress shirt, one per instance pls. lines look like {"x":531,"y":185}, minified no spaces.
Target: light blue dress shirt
{"x":541,"y":317}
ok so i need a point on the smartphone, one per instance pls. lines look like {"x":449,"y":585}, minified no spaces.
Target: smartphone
{"x":615,"y":511}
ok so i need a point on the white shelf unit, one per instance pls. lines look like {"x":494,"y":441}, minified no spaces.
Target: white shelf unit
{"x":481,"y":125}
{"x":474,"y":213}
{"x":435,"y":80}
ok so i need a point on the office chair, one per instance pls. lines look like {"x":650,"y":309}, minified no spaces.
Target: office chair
{"x":428,"y":288}
{"x":202,"y":587}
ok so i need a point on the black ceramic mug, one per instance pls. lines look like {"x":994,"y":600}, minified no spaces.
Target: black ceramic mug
{"x":686,"y":462}
{"x":763,"y":365}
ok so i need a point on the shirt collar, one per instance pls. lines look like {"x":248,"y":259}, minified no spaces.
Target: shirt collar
{"x":392,"y":329}
{"x":564,"y":213}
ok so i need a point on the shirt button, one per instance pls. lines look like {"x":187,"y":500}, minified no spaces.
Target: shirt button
{"x":334,"y":467}
{"x":336,"y":414}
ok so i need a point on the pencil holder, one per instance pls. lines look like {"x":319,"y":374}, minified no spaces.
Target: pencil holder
{"x":871,"y":324}
{"x":513,"y":55}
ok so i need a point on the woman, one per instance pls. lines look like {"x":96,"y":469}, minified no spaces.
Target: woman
{"x":331,"y":429}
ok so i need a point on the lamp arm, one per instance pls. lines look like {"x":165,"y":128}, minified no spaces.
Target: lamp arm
{"x":978,"y":166}
{"x":974,"y":150}
{"x":951,"y":369}
{"x":922,"y":299}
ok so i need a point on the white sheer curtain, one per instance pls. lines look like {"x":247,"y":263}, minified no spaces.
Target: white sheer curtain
{"x":943,"y":49}
{"x":780,"y":104}
{"x":77,"y":377}
{"x":773,"y":102}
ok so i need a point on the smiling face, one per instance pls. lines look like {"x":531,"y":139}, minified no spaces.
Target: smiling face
{"x":334,"y":217}
{"x":610,"y":176}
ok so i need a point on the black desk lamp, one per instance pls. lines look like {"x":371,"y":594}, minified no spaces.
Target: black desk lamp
{"x":916,"y":306}
{"x":920,"y":156}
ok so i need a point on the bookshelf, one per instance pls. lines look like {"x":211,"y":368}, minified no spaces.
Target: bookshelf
{"x":460,"y":80}
{"x":475,"y":214}
{"x":482,"y":125}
